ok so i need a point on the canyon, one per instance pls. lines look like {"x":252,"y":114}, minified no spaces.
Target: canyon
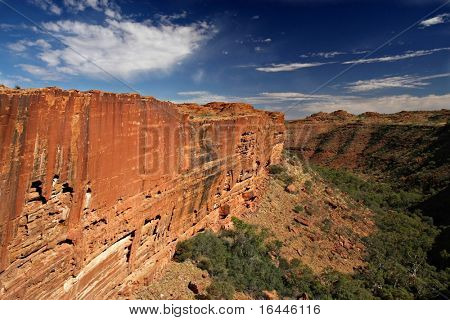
{"x":97,"y":188}
{"x":412,"y":148}
{"x":409,"y":149}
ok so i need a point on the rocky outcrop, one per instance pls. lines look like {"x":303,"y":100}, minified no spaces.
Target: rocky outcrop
{"x":97,"y":188}
{"x":412,"y":148}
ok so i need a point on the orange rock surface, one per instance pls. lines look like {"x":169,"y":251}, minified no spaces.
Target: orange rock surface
{"x":410,"y":146}
{"x":97,"y":188}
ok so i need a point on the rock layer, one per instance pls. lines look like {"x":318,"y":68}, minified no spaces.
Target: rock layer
{"x":97,"y":188}
{"x":412,"y":148}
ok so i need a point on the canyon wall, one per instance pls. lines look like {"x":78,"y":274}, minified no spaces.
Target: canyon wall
{"x":97,"y":188}
{"x":411,"y":147}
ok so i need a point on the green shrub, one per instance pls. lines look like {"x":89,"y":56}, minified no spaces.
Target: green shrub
{"x":326,"y":225}
{"x":375,"y":195}
{"x":220,"y":290}
{"x":345,"y":287}
{"x":281,"y":174}
{"x":397,"y":260}
{"x":286,"y":178}
{"x":308,"y":186}
{"x":243,"y":259}
{"x":298,"y":208}
{"x":276,"y":169}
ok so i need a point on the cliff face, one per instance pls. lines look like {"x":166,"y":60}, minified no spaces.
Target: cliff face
{"x":411,"y":147}
{"x":97,"y":188}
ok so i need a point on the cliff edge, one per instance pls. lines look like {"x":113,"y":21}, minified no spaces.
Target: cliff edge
{"x":96,"y":188}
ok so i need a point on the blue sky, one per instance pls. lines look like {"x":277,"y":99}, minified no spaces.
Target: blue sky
{"x":297,"y":56}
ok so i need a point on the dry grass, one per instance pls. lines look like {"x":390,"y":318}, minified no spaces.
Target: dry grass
{"x":336,"y":223}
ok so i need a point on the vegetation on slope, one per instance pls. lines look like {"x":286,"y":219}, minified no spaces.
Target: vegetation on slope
{"x":243,"y":259}
{"x":398,"y":253}
{"x":397,"y":261}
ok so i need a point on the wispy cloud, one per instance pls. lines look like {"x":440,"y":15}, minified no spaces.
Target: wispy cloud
{"x":283,"y":67}
{"x":5,"y":81}
{"x":442,"y":18}
{"x":108,"y":7}
{"x":406,"y":55}
{"x":406,"y":81}
{"x":384,"y":104}
{"x":47,"y":5}
{"x":287,"y":96}
{"x":326,"y":55}
{"x":200,"y":97}
{"x":298,"y":104}
{"x":172,"y":17}
{"x":332,"y":54}
{"x":23,"y":45}
{"x":286,"y":67}
{"x":198,"y":76}
{"x":41,"y":73}
{"x":263,"y":98}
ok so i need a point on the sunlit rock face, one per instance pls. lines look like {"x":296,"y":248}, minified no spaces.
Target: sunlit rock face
{"x":411,"y":148}
{"x":97,"y":188}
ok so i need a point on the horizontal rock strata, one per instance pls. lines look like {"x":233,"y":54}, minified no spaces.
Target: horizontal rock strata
{"x":97,"y":188}
{"x":413,"y":147}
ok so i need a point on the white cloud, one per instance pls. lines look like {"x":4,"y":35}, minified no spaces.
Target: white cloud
{"x":442,"y":18}
{"x":20,"y":78}
{"x":326,"y":55}
{"x":6,"y":82}
{"x":122,"y":47}
{"x":264,"y":98}
{"x":283,"y":67}
{"x":288,"y":96}
{"x":41,"y":73}
{"x":386,"y":104}
{"x":407,"y":55}
{"x":330,"y":54}
{"x":297,"y":104}
{"x":172,"y":17}
{"x":108,"y":7}
{"x":265,"y":40}
{"x":255,"y":17}
{"x":81,"y":5}
{"x":23,"y":45}
{"x":13,"y":80}
{"x":47,"y":5}
{"x":406,"y":81}
{"x":200,"y":97}
{"x":21,"y":26}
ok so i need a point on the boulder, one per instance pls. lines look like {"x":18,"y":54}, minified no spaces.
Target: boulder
{"x":291,"y":188}
{"x":271,"y":295}
{"x":302,"y":221}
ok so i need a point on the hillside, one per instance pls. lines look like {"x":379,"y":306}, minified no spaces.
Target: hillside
{"x":318,"y":233}
{"x":408,"y":152}
{"x":411,"y":148}
{"x":346,"y":215}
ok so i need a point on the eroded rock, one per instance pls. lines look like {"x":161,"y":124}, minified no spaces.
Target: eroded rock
{"x":97,"y":188}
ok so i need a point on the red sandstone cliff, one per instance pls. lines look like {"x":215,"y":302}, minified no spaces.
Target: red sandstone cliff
{"x":413,"y":147}
{"x":96,"y":188}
